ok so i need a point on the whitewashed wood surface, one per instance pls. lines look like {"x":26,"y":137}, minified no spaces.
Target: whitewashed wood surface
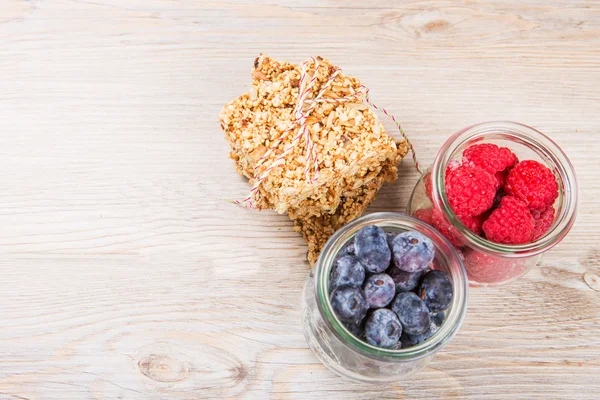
{"x":127,"y":274}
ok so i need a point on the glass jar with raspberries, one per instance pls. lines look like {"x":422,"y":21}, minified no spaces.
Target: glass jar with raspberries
{"x":386,"y":294}
{"x":502,"y":193}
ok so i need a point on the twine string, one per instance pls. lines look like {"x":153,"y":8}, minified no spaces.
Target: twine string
{"x":404,"y":136}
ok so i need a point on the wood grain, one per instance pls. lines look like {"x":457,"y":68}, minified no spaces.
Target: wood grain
{"x":127,"y":274}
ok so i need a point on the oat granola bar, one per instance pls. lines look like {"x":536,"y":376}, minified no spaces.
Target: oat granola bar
{"x":351,"y":145}
{"x":355,"y":155}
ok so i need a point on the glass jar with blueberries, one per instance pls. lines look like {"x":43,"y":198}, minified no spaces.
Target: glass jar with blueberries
{"x":503,"y":194}
{"x":387,"y":293}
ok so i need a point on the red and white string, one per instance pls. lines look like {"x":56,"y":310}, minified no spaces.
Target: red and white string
{"x":306,"y":85}
{"x":393,"y":118}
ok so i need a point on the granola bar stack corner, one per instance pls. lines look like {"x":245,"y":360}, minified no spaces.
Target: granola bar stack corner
{"x":354,"y":153}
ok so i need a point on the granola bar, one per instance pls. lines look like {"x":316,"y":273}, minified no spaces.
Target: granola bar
{"x":355,"y":155}
{"x":351,"y":144}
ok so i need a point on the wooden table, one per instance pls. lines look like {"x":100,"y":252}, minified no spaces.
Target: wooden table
{"x":128,"y":274}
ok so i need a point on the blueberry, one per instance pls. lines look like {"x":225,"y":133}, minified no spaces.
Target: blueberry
{"x":436,"y":290}
{"x":347,"y":250}
{"x":370,"y":245}
{"x":412,"y":251}
{"x":357,"y":330}
{"x":347,"y":270}
{"x":379,"y":290}
{"x":406,"y":341}
{"x":405,"y":281}
{"x":412,"y":313}
{"x":349,"y":303}
{"x":409,"y":340}
{"x":383,"y":329}
{"x":437,"y":320}
{"x":436,"y":323}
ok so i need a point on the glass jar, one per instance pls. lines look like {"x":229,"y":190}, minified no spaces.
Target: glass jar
{"x":349,"y":356}
{"x":489,"y":263}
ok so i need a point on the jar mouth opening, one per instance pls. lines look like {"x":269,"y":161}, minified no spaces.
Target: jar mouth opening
{"x":546,"y":148}
{"x":447,"y":254}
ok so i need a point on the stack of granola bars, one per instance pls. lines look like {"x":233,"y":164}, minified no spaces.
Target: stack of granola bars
{"x":355,"y":155}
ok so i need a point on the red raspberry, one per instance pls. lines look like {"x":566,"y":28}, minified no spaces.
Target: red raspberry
{"x":501,"y":178}
{"x":450,"y":232}
{"x":533,"y":183}
{"x":441,"y":223}
{"x":470,"y":190}
{"x":511,"y":223}
{"x":491,"y":158}
{"x":425,"y":215}
{"x":542,"y":221}
{"x":484,"y":268}
{"x":473,"y":223}
{"x":452,"y":165}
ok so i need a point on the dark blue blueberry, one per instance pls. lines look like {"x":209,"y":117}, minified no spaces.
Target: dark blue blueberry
{"x":371,"y":247}
{"x":347,"y":250}
{"x":379,"y":290}
{"x":383,"y":329}
{"x":409,"y":340}
{"x":357,"y":330}
{"x":436,"y":290}
{"x":437,"y":320}
{"x":405,"y":281}
{"x":406,"y":341}
{"x":347,"y":270}
{"x":436,"y":323}
{"x":412,"y":251}
{"x":412,"y":313}
{"x":349,"y":303}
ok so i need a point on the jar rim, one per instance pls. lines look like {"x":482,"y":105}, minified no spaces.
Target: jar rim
{"x":452,"y":262}
{"x":540,"y":143}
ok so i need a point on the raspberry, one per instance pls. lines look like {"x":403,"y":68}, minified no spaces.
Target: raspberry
{"x":452,"y":165}
{"x":473,"y":223}
{"x":501,"y":178}
{"x":470,"y":190}
{"x":542,"y":221}
{"x":484,"y":268}
{"x":450,"y":232}
{"x":441,"y":223}
{"x":511,"y":223}
{"x":491,"y":158}
{"x":533,"y":183}
{"x":425,"y":215}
